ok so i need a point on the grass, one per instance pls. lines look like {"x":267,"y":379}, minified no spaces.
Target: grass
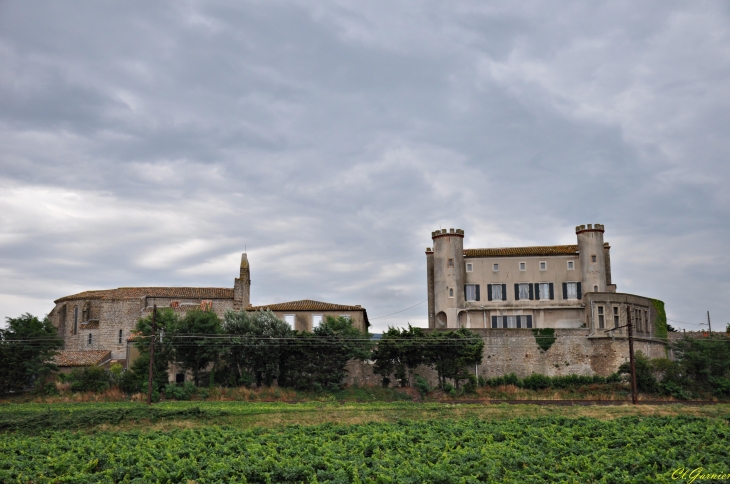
{"x":115,"y":416}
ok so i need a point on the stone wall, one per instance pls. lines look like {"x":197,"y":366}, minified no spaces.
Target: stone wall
{"x":516,"y":351}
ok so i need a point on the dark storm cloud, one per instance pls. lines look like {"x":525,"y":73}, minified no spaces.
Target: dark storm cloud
{"x":146,"y":144}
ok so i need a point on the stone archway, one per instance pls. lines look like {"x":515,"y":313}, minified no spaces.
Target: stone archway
{"x":441,"y":320}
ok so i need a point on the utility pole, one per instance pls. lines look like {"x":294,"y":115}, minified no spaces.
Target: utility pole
{"x":708,"y":322}
{"x":631,"y":356}
{"x":152,"y":354}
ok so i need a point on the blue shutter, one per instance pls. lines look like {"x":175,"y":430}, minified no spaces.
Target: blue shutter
{"x":504,"y":322}
{"x":565,"y":290}
{"x":552,"y":291}
{"x":494,"y":321}
{"x":489,"y":292}
{"x":517,"y":292}
{"x":532,"y":296}
{"x":529,"y":321}
{"x":477,"y":288}
{"x":580,"y":293}
{"x":504,"y":292}
{"x":538,"y":296}
{"x":519,"y":319}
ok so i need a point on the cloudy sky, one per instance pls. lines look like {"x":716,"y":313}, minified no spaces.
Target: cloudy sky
{"x":148,"y":143}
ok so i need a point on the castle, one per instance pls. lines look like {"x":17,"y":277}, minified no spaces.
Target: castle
{"x":557,"y":286}
{"x":95,"y":325}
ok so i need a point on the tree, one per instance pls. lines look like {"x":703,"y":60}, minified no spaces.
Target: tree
{"x":194,"y":349}
{"x":27,"y":348}
{"x":398,"y":353}
{"x":453,"y":353}
{"x":254,"y":348}
{"x":317,"y":360}
{"x":136,"y":378}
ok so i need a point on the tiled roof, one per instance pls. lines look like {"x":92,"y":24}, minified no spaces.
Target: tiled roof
{"x":544,"y":250}
{"x":305,"y":305}
{"x":81,"y":358}
{"x":139,"y":292}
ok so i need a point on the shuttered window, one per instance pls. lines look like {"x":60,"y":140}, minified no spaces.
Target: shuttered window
{"x":471,"y":292}
{"x":289,"y":319}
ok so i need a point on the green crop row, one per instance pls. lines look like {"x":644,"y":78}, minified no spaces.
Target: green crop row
{"x":547,"y":449}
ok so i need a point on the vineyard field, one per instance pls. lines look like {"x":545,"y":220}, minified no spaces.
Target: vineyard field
{"x":541,"y":449}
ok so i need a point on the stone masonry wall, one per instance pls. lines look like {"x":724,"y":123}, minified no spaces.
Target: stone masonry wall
{"x":516,"y":351}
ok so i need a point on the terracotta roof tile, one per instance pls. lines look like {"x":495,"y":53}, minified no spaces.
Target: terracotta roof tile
{"x":139,"y":292}
{"x":544,"y":250}
{"x":305,"y":305}
{"x":81,"y":358}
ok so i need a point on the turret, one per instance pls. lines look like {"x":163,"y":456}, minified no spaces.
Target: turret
{"x":592,"y":257}
{"x":448,"y":277}
{"x":242,"y":286}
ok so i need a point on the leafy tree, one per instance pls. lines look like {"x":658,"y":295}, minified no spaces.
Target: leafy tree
{"x":198,"y":352}
{"x":27,"y":347}
{"x":255,"y":347}
{"x":317,"y":360}
{"x":646,"y":382}
{"x":398,"y":353}
{"x":136,"y":378}
{"x":453,"y":353}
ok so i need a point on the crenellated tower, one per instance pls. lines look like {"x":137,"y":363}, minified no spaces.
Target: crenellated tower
{"x":592,"y":256}
{"x":445,"y":266}
{"x":242,"y":286}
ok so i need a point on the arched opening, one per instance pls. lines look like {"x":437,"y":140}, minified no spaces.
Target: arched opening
{"x":441,"y":320}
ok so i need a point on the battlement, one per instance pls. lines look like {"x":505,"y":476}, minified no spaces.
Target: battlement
{"x":449,"y":233}
{"x":579,"y":229}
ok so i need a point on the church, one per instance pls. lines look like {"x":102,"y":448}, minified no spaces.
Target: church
{"x":95,"y":325}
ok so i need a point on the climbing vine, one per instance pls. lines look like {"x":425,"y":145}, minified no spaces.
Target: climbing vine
{"x":545,"y":337}
{"x":660,"y":323}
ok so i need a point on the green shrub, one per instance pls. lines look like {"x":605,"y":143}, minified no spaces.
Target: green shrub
{"x":536,"y":382}
{"x":471,"y":384}
{"x":50,"y":389}
{"x":422,"y":385}
{"x":180,"y":392}
{"x":545,"y":337}
{"x":89,"y":379}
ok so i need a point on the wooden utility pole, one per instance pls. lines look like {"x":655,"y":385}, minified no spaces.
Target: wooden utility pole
{"x":631,"y":356}
{"x":709,"y":326}
{"x":152,"y":354}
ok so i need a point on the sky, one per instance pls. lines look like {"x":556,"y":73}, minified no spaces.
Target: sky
{"x":151,"y":143}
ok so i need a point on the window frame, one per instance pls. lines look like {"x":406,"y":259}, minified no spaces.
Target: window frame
{"x":469,"y":267}
{"x":495,"y":266}
{"x":321,"y":319}
{"x":571,"y":265}
{"x":594,"y":258}
{"x":449,"y":263}
{"x":121,"y":335}
{"x":520,"y":286}
{"x":502,"y":296}
{"x":543,"y":265}
{"x":523,"y":266}
{"x":567,"y":290}
{"x":475,"y":290}
{"x":616,"y":317}
{"x":451,"y":292}
{"x":90,"y":340}
{"x":293,"y":324}
{"x":601,"y":313}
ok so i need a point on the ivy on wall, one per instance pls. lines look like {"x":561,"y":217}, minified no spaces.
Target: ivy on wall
{"x":660,"y":323}
{"x":545,"y":337}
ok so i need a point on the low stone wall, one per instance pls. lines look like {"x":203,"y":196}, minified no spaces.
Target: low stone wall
{"x":575,"y":351}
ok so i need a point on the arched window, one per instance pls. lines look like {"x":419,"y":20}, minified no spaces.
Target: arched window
{"x":90,"y":338}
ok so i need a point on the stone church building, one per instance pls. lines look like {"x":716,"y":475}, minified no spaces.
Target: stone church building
{"x":100,"y":321}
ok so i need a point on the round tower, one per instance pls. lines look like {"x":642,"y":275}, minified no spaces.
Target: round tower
{"x":592,"y":257}
{"x":448,"y":276}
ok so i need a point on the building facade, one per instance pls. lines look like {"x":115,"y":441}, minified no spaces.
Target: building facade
{"x":104,"y":319}
{"x":559,"y":286}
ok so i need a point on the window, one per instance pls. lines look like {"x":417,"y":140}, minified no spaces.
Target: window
{"x":543,"y":290}
{"x":316,"y":320}
{"x":90,"y":338}
{"x":615,"y":317}
{"x":595,"y":288}
{"x":180,"y":378}
{"x":496,"y":322}
{"x":76,"y":319}
{"x":601,"y":316}
{"x":523,"y":266}
{"x":450,"y":263}
{"x":471,"y":291}
{"x":571,"y":290}
{"x":593,"y":258}
{"x":495,"y":267}
{"x":497,"y":292}
{"x":647,"y":328}
{"x":511,"y":321}
{"x":469,"y":267}
{"x":524,"y":291}
{"x":543,"y":265}
{"x":121,"y":333}
{"x":571,"y":265}
{"x":451,"y":292}
{"x":289,"y":319}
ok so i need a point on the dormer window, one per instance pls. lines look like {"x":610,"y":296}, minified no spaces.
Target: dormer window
{"x":450,"y":263}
